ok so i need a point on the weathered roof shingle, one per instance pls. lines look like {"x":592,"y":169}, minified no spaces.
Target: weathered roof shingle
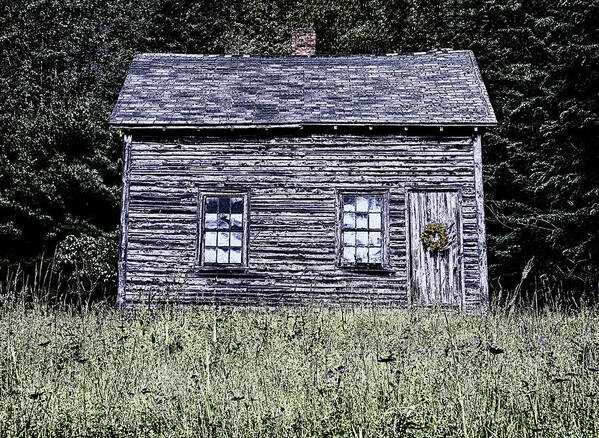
{"x":430,"y":89}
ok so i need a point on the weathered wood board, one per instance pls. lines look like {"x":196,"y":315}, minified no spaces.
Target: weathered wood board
{"x":292,"y":182}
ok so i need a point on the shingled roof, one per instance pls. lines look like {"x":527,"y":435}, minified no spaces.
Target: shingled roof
{"x":440,"y":88}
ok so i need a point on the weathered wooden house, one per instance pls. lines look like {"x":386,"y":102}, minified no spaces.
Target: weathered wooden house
{"x":264,"y":180}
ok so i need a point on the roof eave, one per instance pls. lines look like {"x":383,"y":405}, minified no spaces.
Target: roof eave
{"x":171,"y":126}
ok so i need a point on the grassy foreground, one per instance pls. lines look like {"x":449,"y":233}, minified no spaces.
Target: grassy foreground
{"x":297,"y":372}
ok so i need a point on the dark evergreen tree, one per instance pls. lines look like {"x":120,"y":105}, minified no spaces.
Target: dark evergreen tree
{"x":62,"y":63}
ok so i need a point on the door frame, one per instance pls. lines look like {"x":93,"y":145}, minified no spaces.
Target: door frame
{"x":460,"y":236}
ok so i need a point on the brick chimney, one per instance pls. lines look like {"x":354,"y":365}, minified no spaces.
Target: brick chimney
{"x":303,"y":41}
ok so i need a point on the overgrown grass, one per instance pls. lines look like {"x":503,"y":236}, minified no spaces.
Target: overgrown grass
{"x":296,"y":372}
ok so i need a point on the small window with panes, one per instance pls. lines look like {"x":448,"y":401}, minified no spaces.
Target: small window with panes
{"x":362,"y":230}
{"x":223,"y":230}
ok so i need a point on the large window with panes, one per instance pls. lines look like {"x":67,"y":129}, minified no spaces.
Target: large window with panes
{"x":223,"y":230}
{"x":361,"y":229}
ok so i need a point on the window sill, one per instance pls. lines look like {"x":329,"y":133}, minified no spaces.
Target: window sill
{"x":222,"y":269}
{"x":367,"y":268}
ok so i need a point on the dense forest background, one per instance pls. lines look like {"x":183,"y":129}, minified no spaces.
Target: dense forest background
{"x":62,"y":63}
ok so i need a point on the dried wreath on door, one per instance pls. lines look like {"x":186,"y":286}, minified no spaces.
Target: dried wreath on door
{"x":437,"y":237}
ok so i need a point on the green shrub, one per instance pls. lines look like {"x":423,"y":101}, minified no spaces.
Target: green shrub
{"x":88,"y":265}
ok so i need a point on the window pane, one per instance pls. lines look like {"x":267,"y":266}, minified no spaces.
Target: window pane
{"x":374,"y":221}
{"x":236,"y":205}
{"x":223,"y":238}
{"x":236,"y":255}
{"x":374,"y":255}
{"x":210,"y":239}
{"x":236,"y":239}
{"x":209,"y":255}
{"x":349,"y":203}
{"x":349,"y":254}
{"x":349,"y":220}
{"x":361,"y":255}
{"x":210,"y":221}
{"x":349,"y":238}
{"x":362,"y":220}
{"x":362,"y":238}
{"x":211,"y":205}
{"x":224,"y":205}
{"x":224,"y":221}
{"x":236,"y":221}
{"x":361,"y":204}
{"x":374,"y":239}
{"x":222,"y":255}
{"x":374,"y":204}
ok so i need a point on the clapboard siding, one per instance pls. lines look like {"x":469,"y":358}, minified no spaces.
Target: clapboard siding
{"x":292,"y":183}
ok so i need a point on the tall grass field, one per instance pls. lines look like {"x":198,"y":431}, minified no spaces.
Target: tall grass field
{"x":296,"y":372}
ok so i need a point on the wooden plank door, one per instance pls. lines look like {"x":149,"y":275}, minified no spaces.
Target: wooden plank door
{"x":435,"y":277}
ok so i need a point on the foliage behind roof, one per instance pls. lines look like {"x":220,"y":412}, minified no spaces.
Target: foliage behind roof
{"x":428,"y":89}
